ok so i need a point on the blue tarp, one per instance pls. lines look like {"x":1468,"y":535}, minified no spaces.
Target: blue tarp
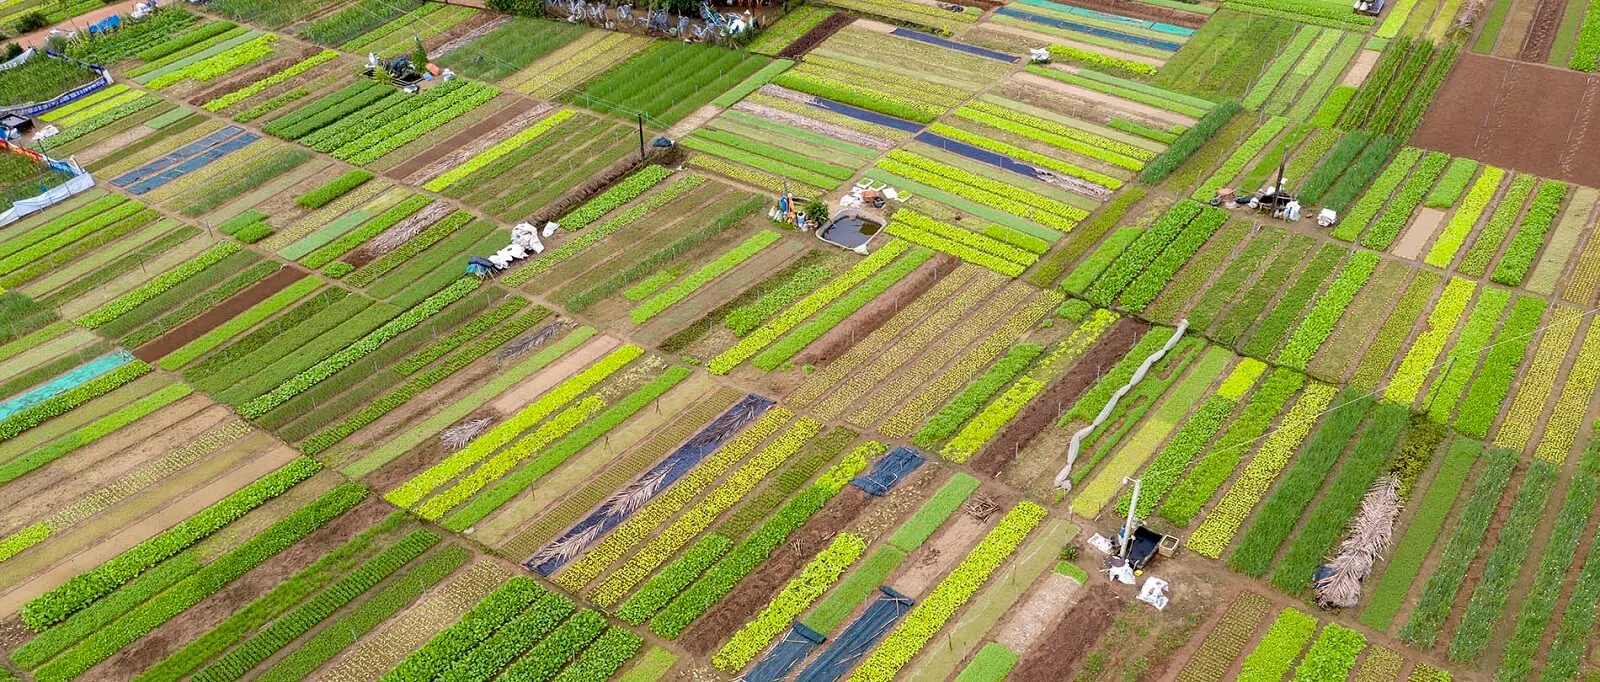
{"x":865,"y":115}
{"x":193,"y":164}
{"x":648,"y":485}
{"x":192,"y":149}
{"x":1091,"y":30}
{"x":953,"y":45}
{"x":859,"y":638}
{"x":979,"y":154}
{"x":794,"y":648}
{"x":78,"y":376}
{"x":890,"y":470}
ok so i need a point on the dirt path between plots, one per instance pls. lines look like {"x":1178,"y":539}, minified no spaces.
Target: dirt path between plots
{"x":460,"y":146}
{"x":753,"y":593}
{"x":200,"y":618}
{"x":1359,"y":69}
{"x":218,"y":314}
{"x":1419,"y":234}
{"x":1542,"y":31}
{"x":924,"y":567}
{"x":1071,"y":635}
{"x":112,"y":545}
{"x":554,"y":373}
{"x":1044,"y":410}
{"x":693,"y":121}
{"x":875,"y":314}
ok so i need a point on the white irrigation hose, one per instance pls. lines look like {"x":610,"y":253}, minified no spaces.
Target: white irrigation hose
{"x":1064,"y":477}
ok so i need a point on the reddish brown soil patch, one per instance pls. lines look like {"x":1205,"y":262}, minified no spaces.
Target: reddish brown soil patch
{"x":1525,"y":117}
{"x":201,"y":617}
{"x":1070,"y":637}
{"x":223,"y":312}
{"x":814,"y":37}
{"x":473,"y":132}
{"x":1130,"y":8}
{"x":875,"y":314}
{"x":754,"y":592}
{"x":1045,"y":409}
{"x":1542,"y":32}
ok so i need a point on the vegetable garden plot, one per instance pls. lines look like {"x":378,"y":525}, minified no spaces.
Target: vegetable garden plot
{"x":428,"y":24}
{"x":681,"y":77}
{"x":1096,"y":28}
{"x":1225,"y":56}
{"x":533,"y":168}
{"x":819,"y":162}
{"x":913,"y":12}
{"x":22,"y":178}
{"x":929,"y":80}
{"x":575,"y":420}
{"x":574,"y":63}
{"x":1297,"y":81}
{"x":41,"y":79}
{"x":186,"y":159}
{"x":1019,"y":209}
{"x":509,"y":47}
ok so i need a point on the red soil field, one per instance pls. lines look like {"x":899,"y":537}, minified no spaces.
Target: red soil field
{"x":1523,"y":117}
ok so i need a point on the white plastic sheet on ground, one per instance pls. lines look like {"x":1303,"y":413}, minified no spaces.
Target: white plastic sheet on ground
{"x":78,"y":184}
{"x":1064,"y":477}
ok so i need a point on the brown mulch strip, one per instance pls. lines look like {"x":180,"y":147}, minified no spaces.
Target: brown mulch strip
{"x":1046,"y":408}
{"x":249,"y":76}
{"x":1131,"y":8}
{"x":870,"y":317}
{"x":753,"y":593}
{"x":454,"y":142}
{"x":222,"y":312}
{"x":1541,"y":36}
{"x":1071,"y":636}
{"x":814,"y":37}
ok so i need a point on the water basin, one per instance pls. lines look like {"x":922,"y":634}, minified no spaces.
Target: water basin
{"x":850,"y":229}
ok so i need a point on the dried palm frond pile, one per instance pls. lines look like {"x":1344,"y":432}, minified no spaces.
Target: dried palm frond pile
{"x":457,"y":437}
{"x":1369,"y":537}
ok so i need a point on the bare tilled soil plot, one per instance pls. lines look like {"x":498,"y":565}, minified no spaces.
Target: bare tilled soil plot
{"x":1542,"y":30}
{"x":1524,"y":117}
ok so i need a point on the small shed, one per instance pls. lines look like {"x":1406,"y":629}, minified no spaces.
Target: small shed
{"x":14,"y":126}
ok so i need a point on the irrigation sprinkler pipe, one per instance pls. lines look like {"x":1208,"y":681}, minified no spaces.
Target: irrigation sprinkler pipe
{"x":1064,"y":477}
